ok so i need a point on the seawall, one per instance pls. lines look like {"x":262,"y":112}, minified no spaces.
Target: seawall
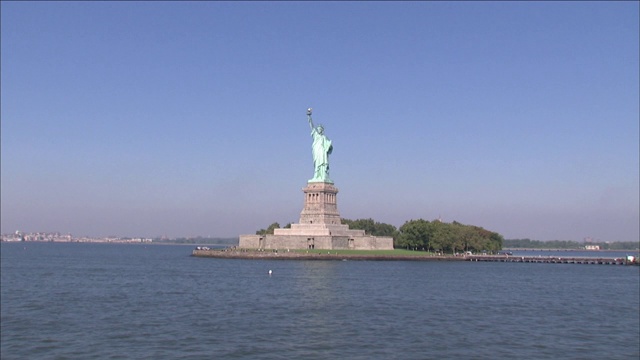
{"x":328,"y":255}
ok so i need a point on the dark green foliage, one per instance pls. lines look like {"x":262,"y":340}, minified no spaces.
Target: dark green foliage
{"x":269,"y":230}
{"x":372,"y":227}
{"x":447,"y":237}
{"x":415,"y":234}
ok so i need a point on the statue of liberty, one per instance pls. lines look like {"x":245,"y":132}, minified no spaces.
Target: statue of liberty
{"x":321,"y":148}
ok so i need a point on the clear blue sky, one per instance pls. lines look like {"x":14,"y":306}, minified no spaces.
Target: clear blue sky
{"x":188,"y":118}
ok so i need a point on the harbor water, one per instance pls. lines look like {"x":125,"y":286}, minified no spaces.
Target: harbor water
{"x":117,"y":301}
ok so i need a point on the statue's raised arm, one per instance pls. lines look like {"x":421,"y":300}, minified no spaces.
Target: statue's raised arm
{"x":309,"y":117}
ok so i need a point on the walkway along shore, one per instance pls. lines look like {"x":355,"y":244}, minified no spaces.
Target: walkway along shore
{"x":291,"y":255}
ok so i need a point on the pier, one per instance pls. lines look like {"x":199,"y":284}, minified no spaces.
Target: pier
{"x":553,"y":259}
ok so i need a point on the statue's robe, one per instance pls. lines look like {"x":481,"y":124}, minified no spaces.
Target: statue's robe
{"x":321,"y":148}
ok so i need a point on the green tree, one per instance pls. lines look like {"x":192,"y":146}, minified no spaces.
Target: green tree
{"x":455,"y":241}
{"x":440,"y":235}
{"x":468,"y":238}
{"x":415,"y":234}
{"x":382,"y":229}
{"x":372,"y":227}
{"x":368,"y":225}
{"x":495,"y":242}
{"x":269,"y":229}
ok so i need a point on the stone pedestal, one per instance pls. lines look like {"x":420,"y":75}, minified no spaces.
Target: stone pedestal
{"x":320,"y":204}
{"x":319,"y":227}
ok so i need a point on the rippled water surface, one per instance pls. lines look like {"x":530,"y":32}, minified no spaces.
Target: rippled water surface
{"x":112,"y":301}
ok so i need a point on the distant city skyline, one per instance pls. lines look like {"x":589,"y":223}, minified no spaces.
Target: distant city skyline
{"x":148,"y":119}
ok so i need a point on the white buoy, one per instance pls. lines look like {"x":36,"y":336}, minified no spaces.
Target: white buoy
{"x":270,"y":272}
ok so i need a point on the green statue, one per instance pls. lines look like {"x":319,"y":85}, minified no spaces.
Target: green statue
{"x":321,"y":149}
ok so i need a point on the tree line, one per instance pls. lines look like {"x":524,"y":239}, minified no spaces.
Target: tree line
{"x":269,"y":229}
{"x":436,"y":236}
{"x":445,"y":237}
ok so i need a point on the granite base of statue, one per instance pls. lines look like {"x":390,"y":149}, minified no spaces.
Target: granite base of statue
{"x":319,"y":226}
